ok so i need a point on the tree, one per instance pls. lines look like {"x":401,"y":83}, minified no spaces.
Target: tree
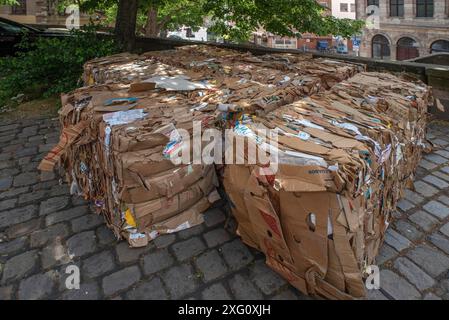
{"x":230,"y":19}
{"x":125,"y":23}
{"x":237,"y":19}
{"x":171,"y":14}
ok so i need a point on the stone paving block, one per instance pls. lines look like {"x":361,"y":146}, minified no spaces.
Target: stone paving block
{"x":428,"y":165}
{"x":190,"y":232}
{"x":243,"y":289}
{"x":445,"y":169}
{"x":375,"y":295}
{"x":148,"y":290}
{"x":82,"y":243}
{"x":425,"y":189}
{"x":397,"y":287}
{"x":396,"y":240}
{"x":65,"y":215}
{"x":435,"y":158}
{"x":236,"y":254}
{"x":105,"y":236}
{"x":437,"y":182}
{"x":213,"y":217}
{"x":441,"y":175}
{"x":54,"y":254}
{"x":126,"y":254}
{"x":23,"y":152}
{"x":180,"y":281}
{"x":157,"y":261}
{"x":429,"y":259}
{"x":187,"y":249}
{"x":439,"y":241}
{"x":87,"y":291}
{"x":53,"y":204}
{"x":445,"y":229}
{"x":32,"y":196}
{"x":6,"y":293}
{"x":266,"y":279}
{"x":18,"y":215}
{"x":440,"y":142}
{"x":286,"y":294}
{"x":443,"y":153}
{"x":7,"y":204}
{"x":58,"y":190}
{"x":20,"y":266}
{"x":385,"y":253}
{"x":414,"y":274}
{"x":41,"y":237}
{"x":120,"y":280}
{"x":25,"y":179}
{"x":444,"y":199}
{"x":38,"y":286}
{"x":24,"y":228}
{"x":211,"y":265}
{"x":12,"y":246}
{"x":5,"y":183}
{"x":424,"y":220}
{"x":98,"y":264}
{"x":215,"y":237}
{"x":164,"y":240}
{"x":408,"y":230}
{"x":437,"y":209}
{"x":405,"y":205}
{"x":431,"y":296}
{"x":86,"y":222}
{"x":215,"y":292}
{"x":12,"y":192}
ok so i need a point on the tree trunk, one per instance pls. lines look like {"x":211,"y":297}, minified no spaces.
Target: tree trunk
{"x":125,"y":25}
{"x":152,"y":27}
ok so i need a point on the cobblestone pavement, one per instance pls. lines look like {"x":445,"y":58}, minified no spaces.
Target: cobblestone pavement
{"x":43,"y":230}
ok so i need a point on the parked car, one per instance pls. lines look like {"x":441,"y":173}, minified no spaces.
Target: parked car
{"x":11,"y":34}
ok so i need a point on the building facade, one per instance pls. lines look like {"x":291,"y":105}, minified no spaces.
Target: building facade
{"x":38,"y":12}
{"x":403,"y":29}
{"x":343,"y":9}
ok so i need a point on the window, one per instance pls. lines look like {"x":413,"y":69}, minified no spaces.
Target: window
{"x":352,"y":7}
{"x":407,"y":48}
{"x":380,"y":47}
{"x":372,"y":3}
{"x":396,"y":8}
{"x":424,"y":8}
{"x":343,"y":7}
{"x":189,"y":33}
{"x":439,"y":46}
{"x":20,"y":9}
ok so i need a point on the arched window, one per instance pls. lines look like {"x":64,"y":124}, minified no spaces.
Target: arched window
{"x":439,"y":46}
{"x":424,"y":8}
{"x":407,"y":48}
{"x":380,"y":47}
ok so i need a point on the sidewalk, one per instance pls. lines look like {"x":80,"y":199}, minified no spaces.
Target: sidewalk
{"x":43,"y":230}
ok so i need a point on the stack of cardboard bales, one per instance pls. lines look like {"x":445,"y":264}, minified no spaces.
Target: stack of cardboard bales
{"x":344,"y":159}
{"x":344,"y":155}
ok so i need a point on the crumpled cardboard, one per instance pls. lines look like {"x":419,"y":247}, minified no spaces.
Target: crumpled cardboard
{"x":321,"y":217}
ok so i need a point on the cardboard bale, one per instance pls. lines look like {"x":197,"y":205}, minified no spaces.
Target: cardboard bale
{"x":344,"y":159}
{"x":118,"y":132}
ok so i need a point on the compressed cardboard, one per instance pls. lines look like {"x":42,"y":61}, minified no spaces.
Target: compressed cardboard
{"x":321,"y":217}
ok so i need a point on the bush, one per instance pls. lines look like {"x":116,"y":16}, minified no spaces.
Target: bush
{"x":51,"y":65}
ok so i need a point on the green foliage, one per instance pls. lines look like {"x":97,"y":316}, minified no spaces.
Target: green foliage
{"x":237,"y":19}
{"x":51,"y":65}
